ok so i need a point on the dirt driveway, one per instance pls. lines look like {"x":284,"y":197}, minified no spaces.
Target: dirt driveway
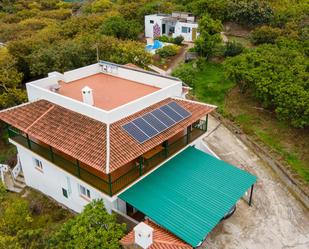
{"x":276,"y":219}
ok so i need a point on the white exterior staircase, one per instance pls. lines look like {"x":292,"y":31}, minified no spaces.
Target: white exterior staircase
{"x":13,"y":179}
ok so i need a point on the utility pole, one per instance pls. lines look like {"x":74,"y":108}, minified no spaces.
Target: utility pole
{"x":98,"y":56}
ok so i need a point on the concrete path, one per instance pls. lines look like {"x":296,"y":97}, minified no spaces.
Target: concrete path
{"x":157,"y":69}
{"x":276,"y":220}
{"x":175,"y":63}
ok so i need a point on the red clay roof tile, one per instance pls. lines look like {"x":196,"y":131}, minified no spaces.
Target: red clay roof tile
{"x":85,"y":138}
{"x":162,"y":239}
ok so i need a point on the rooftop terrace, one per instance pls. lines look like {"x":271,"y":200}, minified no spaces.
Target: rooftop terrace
{"x":109,"y":91}
{"x":105,"y":91}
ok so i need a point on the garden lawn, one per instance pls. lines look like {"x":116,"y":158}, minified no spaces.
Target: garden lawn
{"x":209,"y":83}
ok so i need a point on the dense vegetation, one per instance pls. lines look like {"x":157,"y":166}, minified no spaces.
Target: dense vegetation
{"x":35,"y":221}
{"x":278,"y":77}
{"x":28,"y":222}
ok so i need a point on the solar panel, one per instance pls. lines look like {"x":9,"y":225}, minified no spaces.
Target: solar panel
{"x":154,"y":122}
{"x":171,"y":113}
{"x":163,"y":117}
{"x":135,"y":132}
{"x":145,"y":127}
{"x":180,"y":110}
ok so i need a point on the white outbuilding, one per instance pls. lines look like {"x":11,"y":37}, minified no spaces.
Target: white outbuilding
{"x":173,"y":25}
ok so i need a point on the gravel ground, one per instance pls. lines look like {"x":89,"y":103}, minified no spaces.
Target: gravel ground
{"x":275,"y":220}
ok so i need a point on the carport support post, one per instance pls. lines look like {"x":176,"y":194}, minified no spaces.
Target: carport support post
{"x":251,"y":193}
{"x":206,"y":123}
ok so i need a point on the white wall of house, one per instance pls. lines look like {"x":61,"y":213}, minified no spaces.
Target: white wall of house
{"x":51,"y":179}
{"x":150,"y":21}
{"x":189,"y":27}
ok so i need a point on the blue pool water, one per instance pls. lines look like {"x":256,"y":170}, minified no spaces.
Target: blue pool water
{"x":156,"y":45}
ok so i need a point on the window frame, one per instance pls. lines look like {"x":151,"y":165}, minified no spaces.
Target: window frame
{"x":65,"y":193}
{"x":187,"y":30}
{"x":38,"y":164}
{"x":84,"y":192}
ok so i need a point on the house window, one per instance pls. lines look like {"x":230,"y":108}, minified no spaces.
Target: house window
{"x":84,"y":192}
{"x":38,"y":164}
{"x":185,"y":30}
{"x":151,"y":21}
{"x":65,"y":193}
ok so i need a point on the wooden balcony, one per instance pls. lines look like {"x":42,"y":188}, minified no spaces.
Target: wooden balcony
{"x":119,"y":179}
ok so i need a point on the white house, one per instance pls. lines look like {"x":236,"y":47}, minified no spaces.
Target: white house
{"x":98,"y":131}
{"x":173,"y":25}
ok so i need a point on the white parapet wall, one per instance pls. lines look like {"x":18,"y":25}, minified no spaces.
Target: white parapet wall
{"x":169,"y":87}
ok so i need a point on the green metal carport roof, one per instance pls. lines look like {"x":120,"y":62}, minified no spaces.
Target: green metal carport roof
{"x":189,"y":194}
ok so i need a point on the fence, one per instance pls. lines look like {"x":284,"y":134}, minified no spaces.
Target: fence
{"x":109,"y":186}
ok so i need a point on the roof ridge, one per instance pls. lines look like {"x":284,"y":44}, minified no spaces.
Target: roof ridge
{"x":38,"y":119}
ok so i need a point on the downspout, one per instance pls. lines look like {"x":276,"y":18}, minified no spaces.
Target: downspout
{"x":107,"y":149}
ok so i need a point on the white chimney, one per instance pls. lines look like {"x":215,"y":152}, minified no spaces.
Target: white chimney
{"x":143,"y":235}
{"x":87,"y":95}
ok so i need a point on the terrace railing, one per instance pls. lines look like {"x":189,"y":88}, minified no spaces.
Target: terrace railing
{"x":109,"y":185}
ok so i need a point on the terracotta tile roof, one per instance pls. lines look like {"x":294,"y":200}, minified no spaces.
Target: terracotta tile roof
{"x":85,"y":138}
{"x":162,"y":239}
{"x":124,"y":148}
{"x":72,"y":133}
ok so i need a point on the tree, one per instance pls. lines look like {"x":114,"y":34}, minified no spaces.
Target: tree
{"x":119,"y":27}
{"x":9,"y":76}
{"x":93,"y":228}
{"x":265,"y":34}
{"x":250,"y":13}
{"x":233,"y":48}
{"x":277,"y":75}
{"x":10,"y":81}
{"x":209,"y":35}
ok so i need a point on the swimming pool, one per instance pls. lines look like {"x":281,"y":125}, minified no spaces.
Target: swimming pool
{"x":153,"y":47}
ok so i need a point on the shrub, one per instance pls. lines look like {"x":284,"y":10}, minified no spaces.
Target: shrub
{"x":185,"y":72}
{"x":163,"y":38}
{"x":265,"y":34}
{"x":178,"y":40}
{"x":233,"y":48}
{"x":15,"y":217}
{"x":168,"y":51}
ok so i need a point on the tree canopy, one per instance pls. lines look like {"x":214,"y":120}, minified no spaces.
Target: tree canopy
{"x":278,"y":77}
{"x":93,"y":228}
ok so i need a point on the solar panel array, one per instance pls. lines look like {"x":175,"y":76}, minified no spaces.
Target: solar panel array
{"x":155,"y":122}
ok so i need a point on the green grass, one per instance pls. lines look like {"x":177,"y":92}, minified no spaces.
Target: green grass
{"x":244,"y":41}
{"x":209,"y":83}
{"x":211,"y":86}
{"x":289,"y":144}
{"x":292,"y":158}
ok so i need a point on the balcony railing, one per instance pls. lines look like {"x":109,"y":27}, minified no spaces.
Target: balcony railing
{"x":109,"y":185}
